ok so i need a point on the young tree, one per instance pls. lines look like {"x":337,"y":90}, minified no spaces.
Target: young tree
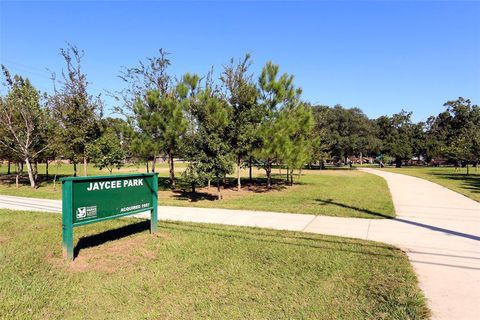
{"x":76,"y":111}
{"x":211,"y":150}
{"x":247,"y":114}
{"x":297,"y":132}
{"x":155,"y":108}
{"x":21,"y":119}
{"x":107,"y":151}
{"x":189,"y":89}
{"x":276,"y":93}
{"x":6,"y":152}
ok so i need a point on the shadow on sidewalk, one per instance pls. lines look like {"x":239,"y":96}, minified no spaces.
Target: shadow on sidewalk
{"x":417,"y":224}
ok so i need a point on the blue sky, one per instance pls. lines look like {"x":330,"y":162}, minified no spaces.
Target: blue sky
{"x":381,"y":56}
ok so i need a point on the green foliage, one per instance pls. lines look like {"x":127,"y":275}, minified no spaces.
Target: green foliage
{"x":194,"y":175}
{"x":106,"y":151}
{"x":213,"y":151}
{"x":278,"y":95}
{"x":396,"y":133}
{"x":76,"y":112}
{"x":462,"y":139}
{"x":22,"y":122}
{"x":247,"y":113}
{"x":296,"y":124}
{"x":157,"y":111}
{"x":264,"y":121}
{"x":345,"y":132}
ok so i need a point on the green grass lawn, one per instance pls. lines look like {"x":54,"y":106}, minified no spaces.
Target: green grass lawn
{"x":456,"y":180}
{"x":195,"y":271}
{"x":343,"y":192}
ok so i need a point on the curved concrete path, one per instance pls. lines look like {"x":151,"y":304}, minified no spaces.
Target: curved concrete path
{"x":438,"y":229}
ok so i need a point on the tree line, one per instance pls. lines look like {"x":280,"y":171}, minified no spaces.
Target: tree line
{"x":217,"y":125}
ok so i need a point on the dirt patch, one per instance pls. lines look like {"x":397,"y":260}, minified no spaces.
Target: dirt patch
{"x":3,"y":239}
{"x":112,"y":256}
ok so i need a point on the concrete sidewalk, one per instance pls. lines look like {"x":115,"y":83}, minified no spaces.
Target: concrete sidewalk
{"x":437,"y":228}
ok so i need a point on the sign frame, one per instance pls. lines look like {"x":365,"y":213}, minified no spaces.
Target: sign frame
{"x":68,"y":212}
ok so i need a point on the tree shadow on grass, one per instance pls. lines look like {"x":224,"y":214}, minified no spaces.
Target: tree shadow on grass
{"x":193,"y":196}
{"x":257,"y":185}
{"x":110,"y":235}
{"x":403,"y":220}
{"x":470,"y":182}
{"x":272,"y":238}
{"x":98,"y":239}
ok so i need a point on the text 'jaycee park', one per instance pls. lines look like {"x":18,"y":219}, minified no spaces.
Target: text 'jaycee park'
{"x":100,"y":185}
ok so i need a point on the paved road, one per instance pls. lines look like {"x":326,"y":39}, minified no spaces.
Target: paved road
{"x":437,"y":228}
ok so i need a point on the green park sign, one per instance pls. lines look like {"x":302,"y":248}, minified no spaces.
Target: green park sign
{"x":93,"y":199}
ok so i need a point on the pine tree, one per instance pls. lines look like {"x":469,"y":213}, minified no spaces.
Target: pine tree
{"x":247,"y":113}
{"x":276,"y":94}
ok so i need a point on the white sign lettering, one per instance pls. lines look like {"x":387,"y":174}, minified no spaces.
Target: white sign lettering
{"x":101,"y":185}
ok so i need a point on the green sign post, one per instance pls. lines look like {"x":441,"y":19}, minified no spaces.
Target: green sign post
{"x":93,"y":199}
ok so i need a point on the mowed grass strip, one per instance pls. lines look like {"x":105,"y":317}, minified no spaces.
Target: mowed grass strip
{"x":342,"y":193}
{"x":456,"y":180}
{"x":190,"y":271}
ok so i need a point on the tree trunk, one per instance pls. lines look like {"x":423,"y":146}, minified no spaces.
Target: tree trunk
{"x":35,"y":170}
{"x":46,"y":168}
{"x":30,"y":172}
{"x":17,"y":174}
{"x":467,"y":169}
{"x":208,"y":184}
{"x":154,"y":162}
{"x":288,"y":178}
{"x":171,"y":169}
{"x":250,"y":169}
{"x":361,"y":158}
{"x":74,"y":168}
{"x":239,"y":183}
{"x":268,"y":169}
{"x":291,"y":177}
{"x":85,"y":166}
{"x":147,"y":167}
{"x":8,"y":168}
{"x":398,"y":163}
{"x":219,"y":193}
{"x":54,"y":182}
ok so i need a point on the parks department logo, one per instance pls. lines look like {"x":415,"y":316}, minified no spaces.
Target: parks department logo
{"x":86,"y":212}
{"x":81,"y":213}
